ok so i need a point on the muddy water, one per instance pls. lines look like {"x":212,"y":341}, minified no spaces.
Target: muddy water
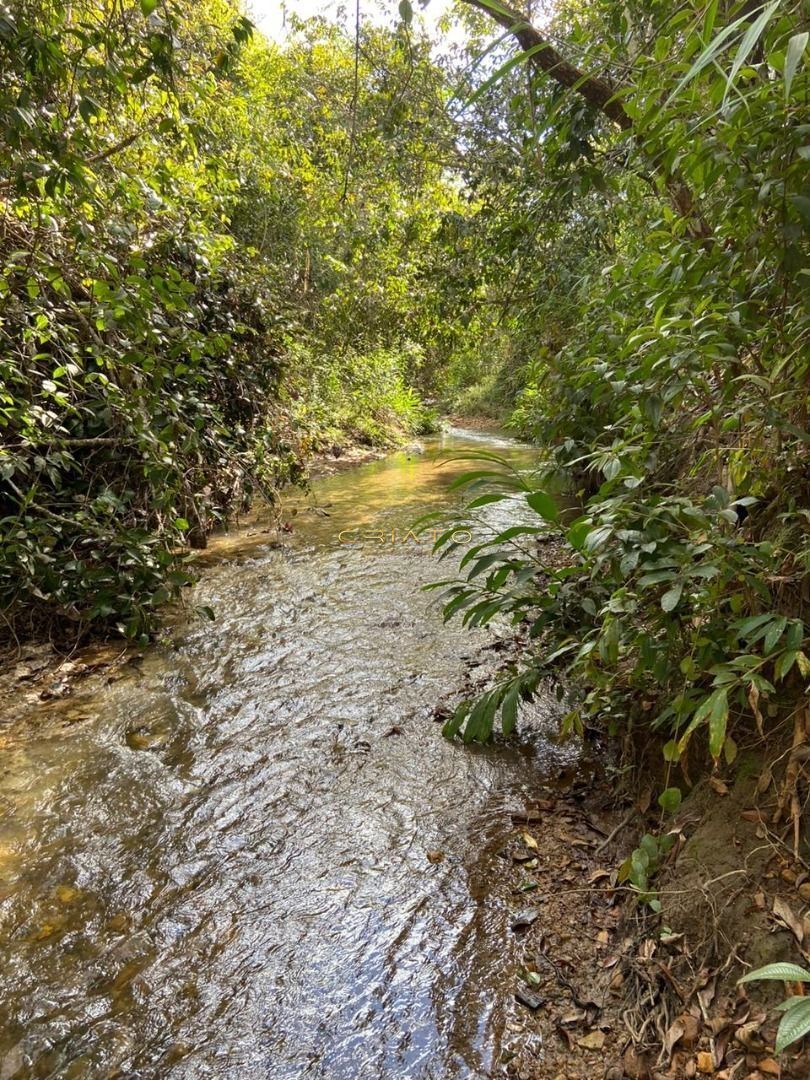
{"x":253,"y":855}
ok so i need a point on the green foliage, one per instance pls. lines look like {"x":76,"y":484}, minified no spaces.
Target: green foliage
{"x":212,"y":264}
{"x":132,"y":332}
{"x":643,"y":864}
{"x":669,"y":386}
{"x":795,"y":1022}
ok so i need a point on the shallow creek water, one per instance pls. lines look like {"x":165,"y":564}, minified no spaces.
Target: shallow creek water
{"x":222,"y":869}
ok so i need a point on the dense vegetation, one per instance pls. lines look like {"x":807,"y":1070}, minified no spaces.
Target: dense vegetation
{"x":215,"y":259}
{"x":661,"y":303}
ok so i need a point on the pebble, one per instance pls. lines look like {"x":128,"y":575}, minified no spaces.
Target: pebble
{"x":523,"y":918}
{"x":594,"y":1040}
{"x":529,"y":998}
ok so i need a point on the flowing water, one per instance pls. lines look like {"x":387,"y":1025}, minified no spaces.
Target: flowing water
{"x":252,"y":854}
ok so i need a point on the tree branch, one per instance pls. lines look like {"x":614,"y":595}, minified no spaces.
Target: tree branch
{"x":599,"y":93}
{"x":102,"y":155}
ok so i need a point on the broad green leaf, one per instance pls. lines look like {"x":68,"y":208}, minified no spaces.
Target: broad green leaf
{"x":669,"y":800}
{"x":485,"y":500}
{"x":543,"y":504}
{"x":509,"y":710}
{"x":578,"y":532}
{"x":451,"y":726}
{"x":784,"y":663}
{"x":669,"y":601}
{"x":794,"y":1025}
{"x":718,"y":718}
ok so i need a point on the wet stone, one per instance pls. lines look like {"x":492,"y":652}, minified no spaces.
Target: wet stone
{"x":523,"y":918}
{"x":146,"y":739}
{"x":528,"y":998}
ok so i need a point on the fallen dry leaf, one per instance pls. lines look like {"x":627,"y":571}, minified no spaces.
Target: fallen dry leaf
{"x":784,"y":914}
{"x":674,"y":1034}
{"x":765,"y":780}
{"x":691,"y":1029}
{"x":594,"y":1040}
{"x":769,"y":1067}
{"x":705,"y":1062}
{"x":718,"y":786}
{"x":635,"y":1066}
{"x":598,"y":875}
{"x":753,"y":701}
{"x":748,"y":1035}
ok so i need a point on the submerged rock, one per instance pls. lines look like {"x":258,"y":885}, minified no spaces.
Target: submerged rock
{"x":144,"y":738}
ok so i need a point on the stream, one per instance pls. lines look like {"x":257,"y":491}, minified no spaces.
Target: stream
{"x":251,"y":854}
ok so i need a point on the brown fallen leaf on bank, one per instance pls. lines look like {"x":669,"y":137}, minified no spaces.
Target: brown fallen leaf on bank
{"x":683,"y":1031}
{"x":673,"y":1036}
{"x":769,"y":1067}
{"x":529,"y":998}
{"x":765,"y":780}
{"x":531,"y":815}
{"x":784,"y":914}
{"x":599,"y":875}
{"x":523,"y":918}
{"x":521,"y":855}
{"x":749,"y":1036}
{"x":594,"y":1040}
{"x":705,"y":1063}
{"x":635,"y":1065}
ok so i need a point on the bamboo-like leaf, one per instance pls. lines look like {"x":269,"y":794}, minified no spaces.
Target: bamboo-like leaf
{"x":793,"y":56}
{"x":504,"y":69}
{"x":748,"y":42}
{"x":543,"y":504}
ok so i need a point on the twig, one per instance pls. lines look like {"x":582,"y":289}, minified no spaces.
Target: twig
{"x":628,"y":817}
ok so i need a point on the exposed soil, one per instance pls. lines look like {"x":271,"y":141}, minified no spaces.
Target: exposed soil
{"x":611,"y":989}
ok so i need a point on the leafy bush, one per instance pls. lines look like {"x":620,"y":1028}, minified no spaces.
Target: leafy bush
{"x":188,"y":303}
{"x":674,"y":410}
